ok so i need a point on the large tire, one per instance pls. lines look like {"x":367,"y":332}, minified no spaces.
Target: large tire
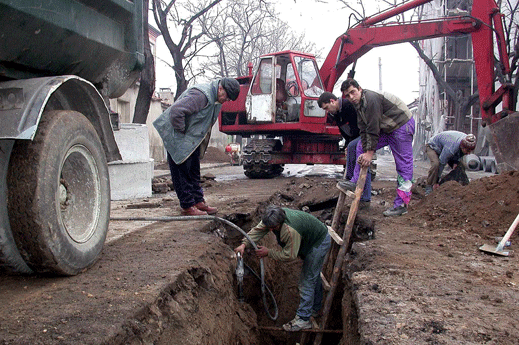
{"x":59,"y":195}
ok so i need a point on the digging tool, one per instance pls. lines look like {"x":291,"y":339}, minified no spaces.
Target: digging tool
{"x":499,"y":249}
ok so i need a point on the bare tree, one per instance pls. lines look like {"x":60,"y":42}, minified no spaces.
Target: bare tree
{"x":183,"y":17}
{"x":245,"y":30}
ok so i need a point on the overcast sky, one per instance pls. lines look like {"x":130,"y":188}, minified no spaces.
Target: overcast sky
{"x":322,"y":23}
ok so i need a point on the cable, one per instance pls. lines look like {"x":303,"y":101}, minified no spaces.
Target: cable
{"x":182,"y":218}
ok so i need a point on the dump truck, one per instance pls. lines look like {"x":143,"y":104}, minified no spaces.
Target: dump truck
{"x":60,"y":63}
{"x":277,"y":106}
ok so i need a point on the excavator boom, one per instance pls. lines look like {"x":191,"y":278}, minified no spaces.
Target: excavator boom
{"x":485,"y":25}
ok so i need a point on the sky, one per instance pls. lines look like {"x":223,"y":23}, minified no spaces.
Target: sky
{"x":322,"y":21}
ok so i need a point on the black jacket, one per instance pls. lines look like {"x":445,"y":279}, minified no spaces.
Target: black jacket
{"x":346,"y":120}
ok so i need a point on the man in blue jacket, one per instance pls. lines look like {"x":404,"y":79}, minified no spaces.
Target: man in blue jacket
{"x":185,"y":128}
{"x":444,"y":148}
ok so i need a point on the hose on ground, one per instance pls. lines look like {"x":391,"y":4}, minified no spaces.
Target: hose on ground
{"x":264,"y":287}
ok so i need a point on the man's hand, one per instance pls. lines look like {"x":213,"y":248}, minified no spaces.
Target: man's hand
{"x":240,"y":249}
{"x":366,"y":158}
{"x":262,"y":252}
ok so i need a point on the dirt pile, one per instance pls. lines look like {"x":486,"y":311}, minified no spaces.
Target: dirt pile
{"x":485,"y":207}
{"x":215,"y":155}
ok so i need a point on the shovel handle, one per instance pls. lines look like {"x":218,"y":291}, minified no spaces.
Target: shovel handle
{"x":508,"y":234}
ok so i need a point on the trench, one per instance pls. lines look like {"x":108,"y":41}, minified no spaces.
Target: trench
{"x":282,"y":279}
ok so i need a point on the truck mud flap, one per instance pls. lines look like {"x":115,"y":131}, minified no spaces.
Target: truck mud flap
{"x":505,"y":143}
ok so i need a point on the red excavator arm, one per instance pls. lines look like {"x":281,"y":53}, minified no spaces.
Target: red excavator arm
{"x":483,"y":21}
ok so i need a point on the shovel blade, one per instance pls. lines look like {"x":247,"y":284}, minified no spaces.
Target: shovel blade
{"x":493,"y":250}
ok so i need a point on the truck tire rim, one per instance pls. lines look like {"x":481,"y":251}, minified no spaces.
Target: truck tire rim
{"x":79,"y":194}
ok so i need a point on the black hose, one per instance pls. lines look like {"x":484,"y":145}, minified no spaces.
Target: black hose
{"x":181,"y":218}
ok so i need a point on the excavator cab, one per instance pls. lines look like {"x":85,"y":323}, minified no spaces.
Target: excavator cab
{"x":282,"y":83}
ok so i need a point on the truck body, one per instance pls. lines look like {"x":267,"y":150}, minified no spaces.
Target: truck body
{"x":279,"y":107}
{"x":60,"y":62}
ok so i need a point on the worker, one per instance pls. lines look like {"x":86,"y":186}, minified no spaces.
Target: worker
{"x":446,"y":148}
{"x":383,"y":120}
{"x":299,"y":234}
{"x":185,"y":128}
{"x":343,"y":113}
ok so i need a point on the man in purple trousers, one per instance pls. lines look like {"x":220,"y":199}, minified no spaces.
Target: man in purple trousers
{"x":383,"y":120}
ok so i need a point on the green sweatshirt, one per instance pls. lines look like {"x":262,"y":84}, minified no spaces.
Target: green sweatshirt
{"x":298,"y":235}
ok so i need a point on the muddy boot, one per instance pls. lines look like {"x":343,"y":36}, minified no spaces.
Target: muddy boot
{"x":364,"y":205}
{"x":428,"y":190}
{"x":397,"y":211}
{"x":345,"y":186}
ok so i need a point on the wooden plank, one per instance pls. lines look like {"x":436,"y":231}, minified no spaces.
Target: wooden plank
{"x":326,"y":285}
{"x":342,"y":252}
{"x":335,"y":236}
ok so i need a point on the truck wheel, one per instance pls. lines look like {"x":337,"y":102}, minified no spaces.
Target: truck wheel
{"x":59,"y":195}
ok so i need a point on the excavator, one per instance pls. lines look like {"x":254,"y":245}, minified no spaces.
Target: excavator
{"x":278,"y":107}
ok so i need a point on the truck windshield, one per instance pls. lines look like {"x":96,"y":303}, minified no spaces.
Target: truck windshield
{"x":309,"y":74}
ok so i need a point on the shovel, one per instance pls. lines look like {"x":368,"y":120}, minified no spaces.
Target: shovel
{"x":499,"y":249}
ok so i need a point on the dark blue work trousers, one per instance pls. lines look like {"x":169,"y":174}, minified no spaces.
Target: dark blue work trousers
{"x":186,"y":179}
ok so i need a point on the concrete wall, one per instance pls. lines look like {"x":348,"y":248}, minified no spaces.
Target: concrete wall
{"x":131,"y":177}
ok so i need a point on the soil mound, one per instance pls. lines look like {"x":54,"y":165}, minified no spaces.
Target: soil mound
{"x":487,"y":206}
{"x":215,"y":155}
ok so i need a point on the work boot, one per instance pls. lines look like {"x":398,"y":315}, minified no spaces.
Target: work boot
{"x":202,"y":206}
{"x":428,"y":190}
{"x":297,"y":324}
{"x":345,"y":186}
{"x":193,"y":211}
{"x":364,"y":205}
{"x":396,"y":211}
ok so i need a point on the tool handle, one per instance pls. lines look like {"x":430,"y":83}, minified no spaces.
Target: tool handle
{"x":508,"y":234}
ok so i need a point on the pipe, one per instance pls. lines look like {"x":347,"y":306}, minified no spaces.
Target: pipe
{"x":183,"y":218}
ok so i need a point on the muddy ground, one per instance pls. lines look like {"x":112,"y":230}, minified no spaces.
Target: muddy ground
{"x":420,"y":280}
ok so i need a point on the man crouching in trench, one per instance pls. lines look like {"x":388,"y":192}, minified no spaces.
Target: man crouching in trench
{"x":299,"y":234}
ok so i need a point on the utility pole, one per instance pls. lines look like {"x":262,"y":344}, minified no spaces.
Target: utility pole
{"x":380,"y":73}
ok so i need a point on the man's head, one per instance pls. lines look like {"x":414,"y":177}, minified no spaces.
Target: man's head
{"x":351,"y":90}
{"x":273,"y":217}
{"x":228,"y":90}
{"x":329,"y":102}
{"x":468,"y":144}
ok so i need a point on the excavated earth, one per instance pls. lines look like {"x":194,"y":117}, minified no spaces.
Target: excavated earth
{"x":415,"y":279}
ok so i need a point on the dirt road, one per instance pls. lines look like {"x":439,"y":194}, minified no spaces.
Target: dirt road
{"x":420,"y":280}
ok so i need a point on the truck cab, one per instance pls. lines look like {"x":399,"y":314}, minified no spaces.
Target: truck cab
{"x":283,"y":82}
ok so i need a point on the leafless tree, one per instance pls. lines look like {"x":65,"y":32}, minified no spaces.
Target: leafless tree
{"x":182,"y":17}
{"x":242,"y":31}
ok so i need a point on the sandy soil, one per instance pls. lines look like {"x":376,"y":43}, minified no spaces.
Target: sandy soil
{"x":420,"y":280}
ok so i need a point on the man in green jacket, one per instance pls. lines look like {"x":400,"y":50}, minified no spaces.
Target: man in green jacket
{"x":299,"y":234}
{"x":185,"y":128}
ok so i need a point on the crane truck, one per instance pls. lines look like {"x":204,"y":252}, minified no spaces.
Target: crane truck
{"x":60,"y":62}
{"x":278,"y":103}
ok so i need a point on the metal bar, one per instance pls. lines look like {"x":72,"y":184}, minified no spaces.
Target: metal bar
{"x":310,"y":330}
{"x":393,"y":12}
